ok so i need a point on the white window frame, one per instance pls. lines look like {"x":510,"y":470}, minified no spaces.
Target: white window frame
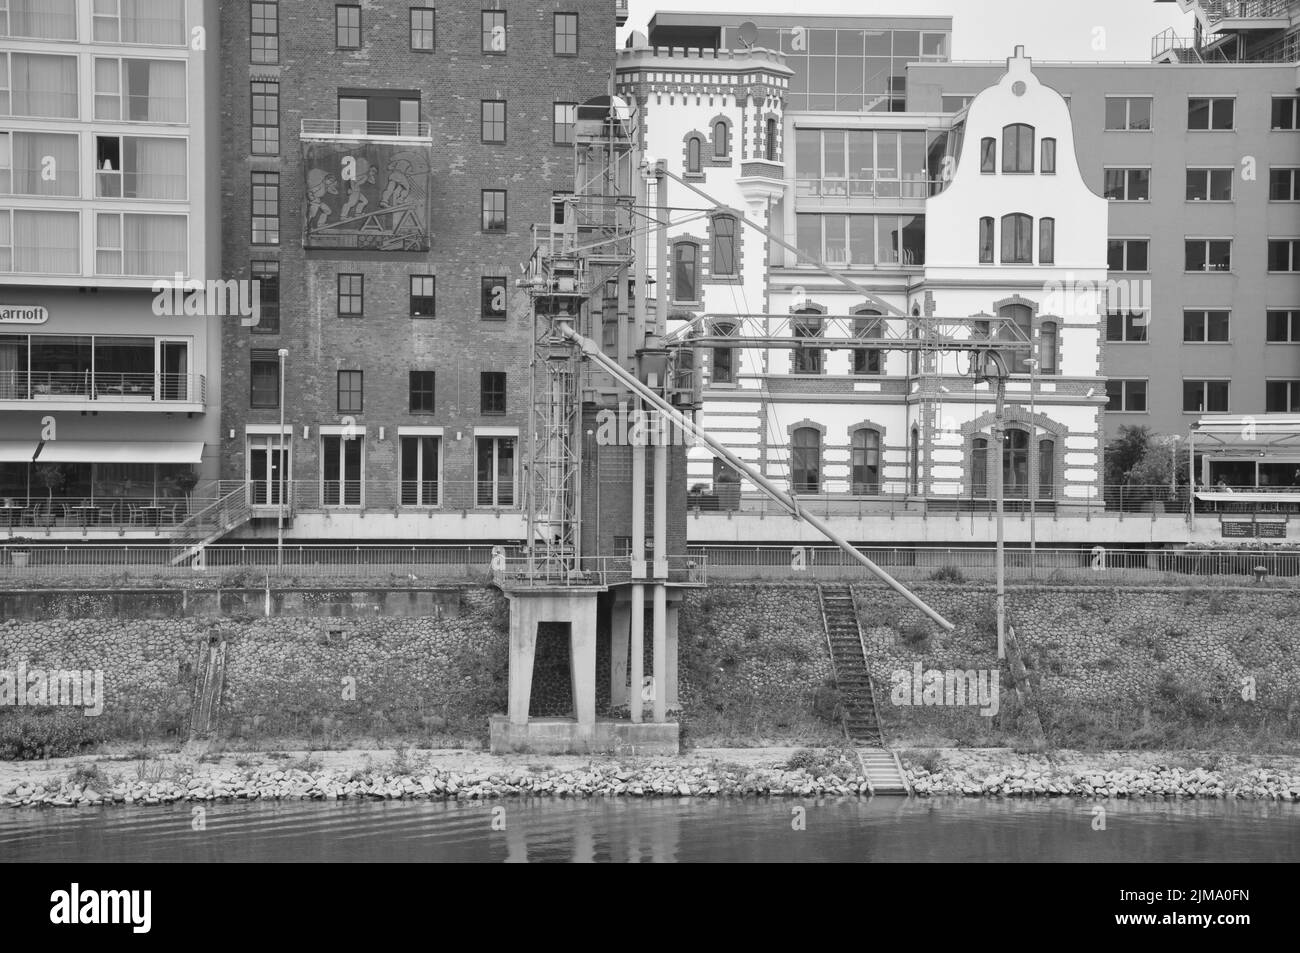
{"x":1212,"y":99}
{"x":1207,"y":170}
{"x":1232,"y":258}
{"x":1130,"y":380}
{"x":1126,"y":169}
{"x":117,"y":19}
{"x":120,"y":249}
{"x":1205,"y":393}
{"x":121,"y":94}
{"x":422,"y":433}
{"x":1126,"y":239}
{"x":1205,"y":339}
{"x":1128,"y":100}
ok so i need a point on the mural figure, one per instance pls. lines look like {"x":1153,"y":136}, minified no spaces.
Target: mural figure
{"x":366,"y":174}
{"x":387,"y":203}
{"x":320,"y":184}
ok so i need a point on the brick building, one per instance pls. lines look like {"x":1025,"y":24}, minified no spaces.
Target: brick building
{"x":383,"y":164}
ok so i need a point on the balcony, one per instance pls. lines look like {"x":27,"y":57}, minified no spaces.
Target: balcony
{"x":367,"y":185}
{"x":102,"y":390}
{"x":620,"y":12}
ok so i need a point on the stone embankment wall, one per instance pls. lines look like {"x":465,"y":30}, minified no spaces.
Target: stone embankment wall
{"x":1103,"y":666}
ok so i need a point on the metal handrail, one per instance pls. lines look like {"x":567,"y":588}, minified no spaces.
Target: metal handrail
{"x":347,"y":129}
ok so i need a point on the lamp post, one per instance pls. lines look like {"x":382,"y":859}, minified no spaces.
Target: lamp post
{"x":283,"y":354}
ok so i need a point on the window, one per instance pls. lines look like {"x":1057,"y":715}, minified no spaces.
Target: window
{"x":724,"y":258}
{"x":492,"y":392}
{"x":492,"y":120}
{"x":264,"y":379}
{"x":494,"y":31}
{"x":1046,"y":241}
{"x":146,"y":245}
{"x":24,"y":161}
{"x":1128,"y":113}
{"x":806,"y":324}
{"x":1127,"y":185}
{"x":724,"y":358}
{"x":268,"y":468}
{"x":988,"y":154}
{"x":342,"y":474}
{"x":721,"y":140}
{"x":686,"y":271}
{"x":494,"y":471}
{"x":979,"y":467}
{"x":1048,"y":352}
{"x":350,"y":392}
{"x":1126,"y":397}
{"x":136,"y":167}
{"x":264,"y":33}
{"x":914,"y":460}
{"x":806,"y":461}
{"x":1200,"y":327}
{"x":266,"y":208}
{"x":867,"y":360}
{"x":266,"y":118}
{"x":493,"y":297}
{"x":566,"y":34}
{"x":1204,"y":113}
{"x":986,"y":240}
{"x":693,"y":155}
{"x":420,"y":391}
{"x":267,"y":276}
{"x":1018,"y":148}
{"x":55,"y":250}
{"x":1205,"y":397}
{"x":39,"y":85}
{"x":1047,"y":163}
{"x":564,"y":123}
{"x":423,"y":295}
{"x":1207,"y":254}
{"x":1020,"y":330}
{"x":1015,"y":463}
{"x":1282,"y":397}
{"x":1017,"y":239}
{"x":1283,"y":327}
{"x":44,"y":20}
{"x":1046,"y":469}
{"x":494,"y":210}
{"x":1127,"y":254}
{"x":423,"y":29}
{"x":865,"y":462}
{"x":769,"y":140}
{"x":1286,"y":112}
{"x":1284,"y":185}
{"x":1284,"y":254}
{"x":1209,"y":185}
{"x":420,"y":459}
{"x":956,"y":102}
{"x":351,"y":295}
{"x":347,"y":27}
{"x":1127,"y":327}
{"x":133,"y":90}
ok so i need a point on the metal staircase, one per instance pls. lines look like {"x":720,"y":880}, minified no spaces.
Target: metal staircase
{"x":211,"y":523}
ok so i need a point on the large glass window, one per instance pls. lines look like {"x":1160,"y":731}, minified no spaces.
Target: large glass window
{"x":26,"y":158}
{"x":264,"y":378}
{"x":342,"y":473}
{"x":39,"y":85}
{"x":40,"y":243}
{"x":868,"y":327}
{"x":1018,"y":148}
{"x":264,"y":33}
{"x":1017,"y":239}
{"x":139,"y":90}
{"x":494,"y":31}
{"x":866,"y":462}
{"x":807,"y":324}
{"x":41,"y":19}
{"x":686,"y":264}
{"x":1020,"y":329}
{"x":420,"y":470}
{"x":806,"y":461}
{"x":861,"y":239}
{"x":351,"y":392}
{"x":266,"y":117}
{"x":423,"y":29}
{"x":1015,"y":463}
{"x":140,"y":167}
{"x":566,"y":34}
{"x":155,"y":22}
{"x":495,"y":471}
{"x":144,"y":245}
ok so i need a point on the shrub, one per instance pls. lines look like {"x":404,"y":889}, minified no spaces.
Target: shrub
{"x":28,"y":737}
{"x":948,"y":574}
{"x":915,"y":636}
{"x":91,"y":777}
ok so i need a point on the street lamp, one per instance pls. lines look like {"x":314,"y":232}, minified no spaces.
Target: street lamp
{"x":283,"y":354}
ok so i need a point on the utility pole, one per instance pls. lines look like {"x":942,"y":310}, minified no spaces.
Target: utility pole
{"x":1000,"y":370}
{"x":1036,"y":463}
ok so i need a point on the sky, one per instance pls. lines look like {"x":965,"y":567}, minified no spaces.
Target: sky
{"x":985,"y":29}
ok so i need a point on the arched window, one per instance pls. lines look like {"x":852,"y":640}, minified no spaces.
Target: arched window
{"x":1017,"y":239}
{"x":1022,"y":331}
{"x":693,"y":154}
{"x":1047,"y":162}
{"x":1048,"y":357}
{"x":725,"y":262}
{"x":979,"y":467}
{"x":988,"y":154}
{"x":686,"y":271}
{"x":1046,"y":469}
{"x":866,"y":462}
{"x":721,"y":140}
{"x":986,"y":240}
{"x":1017,"y":148}
{"x":770,"y":140}
{"x":1046,"y":241}
{"x":867,"y":360}
{"x":806,"y":461}
{"x":1015,"y":463}
{"x":724,"y":358}
{"x":914,"y":461}
{"x":807,"y":324}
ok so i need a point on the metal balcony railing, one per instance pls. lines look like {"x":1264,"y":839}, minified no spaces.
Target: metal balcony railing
{"x":107,"y":386}
{"x":348,"y":129}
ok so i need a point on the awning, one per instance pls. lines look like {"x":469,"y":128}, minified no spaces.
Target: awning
{"x":118,"y":451}
{"x":1289,"y":495}
{"x":14,"y":451}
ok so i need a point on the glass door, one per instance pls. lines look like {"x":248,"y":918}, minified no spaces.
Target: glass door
{"x":173,"y":369}
{"x":268,"y":470}
{"x":341,"y":472}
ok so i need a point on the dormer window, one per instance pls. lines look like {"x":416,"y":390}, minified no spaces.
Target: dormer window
{"x":1017,"y":148}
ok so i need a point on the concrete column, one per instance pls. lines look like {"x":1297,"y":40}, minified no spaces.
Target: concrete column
{"x":638,"y":510}
{"x":671,"y":679}
{"x":660,"y":607}
{"x":620,"y":621}
{"x":661,"y":653}
{"x":637,"y":648}
{"x":523,"y":647}
{"x":582,"y":657}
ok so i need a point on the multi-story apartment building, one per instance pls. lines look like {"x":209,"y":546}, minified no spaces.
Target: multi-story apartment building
{"x":383,"y":164}
{"x":110,"y":383}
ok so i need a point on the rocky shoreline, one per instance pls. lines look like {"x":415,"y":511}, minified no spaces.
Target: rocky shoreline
{"x":719,"y":773}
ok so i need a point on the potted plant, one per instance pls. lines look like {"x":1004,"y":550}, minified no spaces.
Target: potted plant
{"x":53,"y":477}
{"x":186,"y":481}
{"x":19,"y":557}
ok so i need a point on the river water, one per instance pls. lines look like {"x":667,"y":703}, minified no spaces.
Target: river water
{"x":547,"y":829}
